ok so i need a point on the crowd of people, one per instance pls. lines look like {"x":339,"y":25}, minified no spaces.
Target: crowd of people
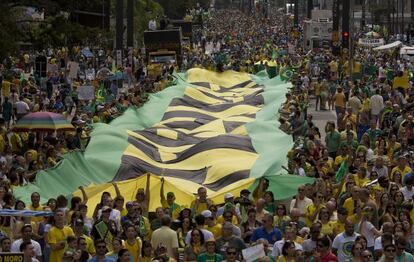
{"x":360,"y":207}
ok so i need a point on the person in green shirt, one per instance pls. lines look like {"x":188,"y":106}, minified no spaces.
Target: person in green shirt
{"x":332,"y":139}
{"x":373,"y":132}
{"x":169,"y":203}
{"x":402,"y":255}
{"x":210,"y":255}
{"x":350,"y":141}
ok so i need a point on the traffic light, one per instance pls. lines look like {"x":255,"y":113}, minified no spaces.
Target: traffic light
{"x":345,"y":39}
{"x":345,"y":35}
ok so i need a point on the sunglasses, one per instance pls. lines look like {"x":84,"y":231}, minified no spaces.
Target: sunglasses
{"x":390,"y":250}
{"x":231,"y":253}
{"x":101,"y":247}
{"x":367,"y":256}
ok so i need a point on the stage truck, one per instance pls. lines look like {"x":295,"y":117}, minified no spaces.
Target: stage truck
{"x":162,"y":47}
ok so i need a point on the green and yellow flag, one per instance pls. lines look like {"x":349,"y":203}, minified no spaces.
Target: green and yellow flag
{"x":217,"y":130}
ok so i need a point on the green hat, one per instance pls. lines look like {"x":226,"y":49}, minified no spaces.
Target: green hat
{"x":170,"y":194}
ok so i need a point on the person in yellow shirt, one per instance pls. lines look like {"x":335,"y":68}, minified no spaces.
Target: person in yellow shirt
{"x":361,"y":178}
{"x":317,"y":88}
{"x":342,"y":157}
{"x":339,"y":225}
{"x":393,"y":146}
{"x":351,"y":203}
{"x":401,"y":167}
{"x":133,"y":243}
{"x":211,"y":224}
{"x":339,"y":101}
{"x":2,"y":144}
{"x":365,"y":102}
{"x":201,"y":202}
{"x":57,"y":236}
{"x":312,"y":210}
{"x":16,"y":142}
{"x":78,"y":229}
{"x":169,"y":203}
{"x":327,"y":225}
{"x":35,"y":206}
{"x":5,"y":88}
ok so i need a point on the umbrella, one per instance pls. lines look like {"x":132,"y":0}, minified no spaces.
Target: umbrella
{"x":43,"y":121}
{"x":104,"y":73}
{"x":87,"y":53}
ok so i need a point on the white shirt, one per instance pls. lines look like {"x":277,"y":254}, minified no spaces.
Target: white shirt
{"x":366,"y":230}
{"x":277,"y":248}
{"x":376,"y":104}
{"x":355,"y":104}
{"x":381,"y":72}
{"x":382,"y":171}
{"x":22,"y":107}
{"x":408,"y":194}
{"x":302,"y":204}
{"x":377,"y":243}
{"x":343,"y":244}
{"x":309,"y":245}
{"x":15,"y":247}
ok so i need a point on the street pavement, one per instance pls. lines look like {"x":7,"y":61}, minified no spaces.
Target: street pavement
{"x":321,"y":117}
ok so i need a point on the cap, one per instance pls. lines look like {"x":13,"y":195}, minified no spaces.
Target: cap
{"x":211,"y":239}
{"x":130,"y":204}
{"x":170,"y":194}
{"x":304,"y":230}
{"x":79,"y":222}
{"x":228,"y":195}
{"x":245,"y":191}
{"x":106,"y":208}
{"x":207,"y":213}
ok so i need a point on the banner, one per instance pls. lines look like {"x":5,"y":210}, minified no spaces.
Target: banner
{"x":24,"y":213}
{"x":73,"y":69}
{"x":368,"y":42}
{"x":253,"y":253}
{"x":86,"y":93}
{"x":11,"y":257}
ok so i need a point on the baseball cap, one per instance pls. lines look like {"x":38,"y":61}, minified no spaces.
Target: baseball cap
{"x":79,"y":222}
{"x":228,"y":195}
{"x":245,"y":191}
{"x":207,"y":213}
{"x":106,"y":208}
{"x":170,"y":194}
{"x":211,"y":239}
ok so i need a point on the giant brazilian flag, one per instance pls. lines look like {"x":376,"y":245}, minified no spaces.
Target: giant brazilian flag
{"x":219,"y":130}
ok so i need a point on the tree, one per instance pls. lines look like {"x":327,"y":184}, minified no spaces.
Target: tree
{"x":177,"y":9}
{"x":9,"y":32}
